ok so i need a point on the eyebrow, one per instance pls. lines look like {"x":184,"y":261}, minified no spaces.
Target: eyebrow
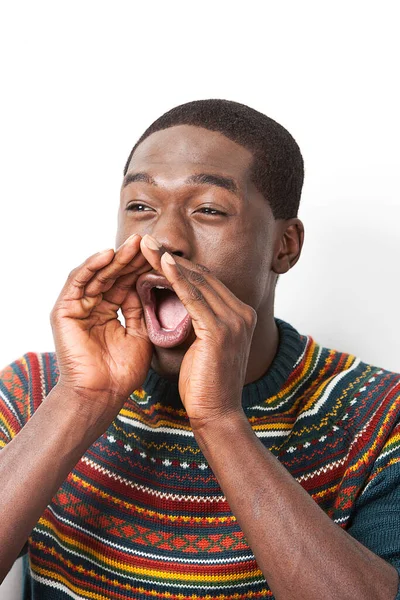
{"x":199,"y":179}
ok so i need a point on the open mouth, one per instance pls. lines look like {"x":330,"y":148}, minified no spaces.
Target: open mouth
{"x":167,"y":320}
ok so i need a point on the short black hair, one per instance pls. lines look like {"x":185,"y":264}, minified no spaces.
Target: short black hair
{"x":277,"y":169}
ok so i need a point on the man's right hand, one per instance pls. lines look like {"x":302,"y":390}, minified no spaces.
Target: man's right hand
{"x":100,"y":360}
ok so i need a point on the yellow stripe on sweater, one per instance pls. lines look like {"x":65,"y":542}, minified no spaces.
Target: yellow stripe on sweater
{"x":163,"y":575}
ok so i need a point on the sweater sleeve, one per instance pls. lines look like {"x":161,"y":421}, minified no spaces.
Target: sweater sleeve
{"x":376,"y":518}
{"x":15,"y":404}
{"x":14,"y":399}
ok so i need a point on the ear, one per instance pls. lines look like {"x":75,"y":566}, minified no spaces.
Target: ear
{"x":289,"y":242}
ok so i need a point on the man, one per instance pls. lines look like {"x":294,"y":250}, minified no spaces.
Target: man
{"x":248,"y":461}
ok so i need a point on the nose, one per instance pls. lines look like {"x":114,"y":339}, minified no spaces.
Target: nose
{"x":173,"y":232}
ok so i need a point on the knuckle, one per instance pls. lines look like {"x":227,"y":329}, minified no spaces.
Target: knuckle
{"x":222,"y":331}
{"x":195,"y":295}
{"x":250,"y":317}
{"x":126,"y":270}
{"x":133,"y":312}
{"x":118,"y":264}
{"x":54,"y":315}
{"x":196,"y":278}
{"x":104,"y":278}
{"x":124,"y":285}
{"x":126,"y":281}
{"x":202,"y":268}
{"x":72,"y":274}
{"x":237,"y":326}
{"x":180,"y":276}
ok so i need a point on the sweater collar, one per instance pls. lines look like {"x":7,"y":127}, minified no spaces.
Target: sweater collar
{"x":289,"y":350}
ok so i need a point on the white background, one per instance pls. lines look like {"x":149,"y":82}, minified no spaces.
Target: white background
{"x":80,"y":81}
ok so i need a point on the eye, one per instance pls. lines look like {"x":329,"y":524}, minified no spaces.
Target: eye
{"x":211,"y":211}
{"x":205,"y":210}
{"x":138,"y":207}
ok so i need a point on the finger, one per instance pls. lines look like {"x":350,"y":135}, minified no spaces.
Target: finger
{"x":80,"y":276}
{"x":109,"y":302}
{"x":118,"y":292}
{"x":124,"y":262}
{"x":132,"y":311}
{"x":138,"y":263}
{"x":197,"y":293}
{"x":190,"y":295}
{"x":154,"y":251}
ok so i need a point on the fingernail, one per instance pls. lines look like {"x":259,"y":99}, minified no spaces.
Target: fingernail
{"x":151,"y":242}
{"x":131,"y":238}
{"x":104,"y":251}
{"x":168,"y":258}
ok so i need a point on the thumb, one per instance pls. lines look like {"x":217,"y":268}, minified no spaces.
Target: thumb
{"x":132,"y":312}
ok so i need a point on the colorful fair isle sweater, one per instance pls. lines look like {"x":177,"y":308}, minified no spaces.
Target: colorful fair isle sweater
{"x":142,"y":516}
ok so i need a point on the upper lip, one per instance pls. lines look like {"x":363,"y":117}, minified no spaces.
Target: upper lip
{"x":147,"y":281}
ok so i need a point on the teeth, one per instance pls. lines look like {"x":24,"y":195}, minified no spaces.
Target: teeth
{"x":160,"y":287}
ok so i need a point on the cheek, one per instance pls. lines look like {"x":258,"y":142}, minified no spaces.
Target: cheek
{"x":242,"y":274}
{"x":127,"y":228}
{"x":247,"y":272}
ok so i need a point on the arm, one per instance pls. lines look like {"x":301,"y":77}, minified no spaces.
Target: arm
{"x":32,"y":472}
{"x":100,"y":363}
{"x":302,"y":553}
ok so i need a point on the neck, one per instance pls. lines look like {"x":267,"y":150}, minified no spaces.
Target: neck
{"x":264,"y":346}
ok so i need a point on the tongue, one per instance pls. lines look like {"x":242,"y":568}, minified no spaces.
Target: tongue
{"x":170,"y":310}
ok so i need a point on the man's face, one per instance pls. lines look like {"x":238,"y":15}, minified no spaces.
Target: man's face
{"x":218,"y":220}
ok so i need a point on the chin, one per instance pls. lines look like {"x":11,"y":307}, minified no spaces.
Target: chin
{"x":167,"y":361}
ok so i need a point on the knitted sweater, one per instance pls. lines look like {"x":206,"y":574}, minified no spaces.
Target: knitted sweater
{"x":142,"y":516}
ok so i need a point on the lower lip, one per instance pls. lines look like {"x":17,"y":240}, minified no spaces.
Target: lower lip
{"x":163,"y":337}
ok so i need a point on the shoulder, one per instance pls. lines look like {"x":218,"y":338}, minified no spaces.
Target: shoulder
{"x":43,"y":373}
{"x":359,"y":401}
{"x":33,"y":368}
{"x":343,"y":374}
{"x":24,"y":383}
{"x":343,"y":389}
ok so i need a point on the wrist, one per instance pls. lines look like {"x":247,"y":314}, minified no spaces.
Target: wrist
{"x":221,"y":428}
{"x":92,"y":413}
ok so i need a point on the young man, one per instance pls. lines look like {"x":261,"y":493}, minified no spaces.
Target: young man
{"x":204,"y":449}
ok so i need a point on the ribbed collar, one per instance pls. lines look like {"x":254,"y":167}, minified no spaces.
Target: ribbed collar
{"x":290,"y":348}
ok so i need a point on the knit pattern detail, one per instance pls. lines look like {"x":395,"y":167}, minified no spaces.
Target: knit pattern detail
{"x":142,"y":516}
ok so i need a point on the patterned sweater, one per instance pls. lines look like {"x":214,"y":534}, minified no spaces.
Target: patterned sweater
{"x":142,"y":516}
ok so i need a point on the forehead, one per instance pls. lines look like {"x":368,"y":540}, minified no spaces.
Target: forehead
{"x":187,"y":146}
